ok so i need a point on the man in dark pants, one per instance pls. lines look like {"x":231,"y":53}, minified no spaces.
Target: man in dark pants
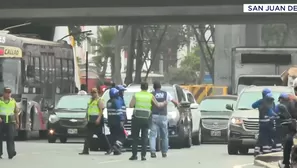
{"x":142,"y":103}
{"x":9,"y":121}
{"x":94,"y":117}
{"x":114,"y":111}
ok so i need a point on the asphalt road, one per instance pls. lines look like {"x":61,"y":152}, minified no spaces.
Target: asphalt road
{"x":39,"y":153}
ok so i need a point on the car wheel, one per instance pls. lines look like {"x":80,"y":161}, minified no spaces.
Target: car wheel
{"x":197,"y":139}
{"x":232,"y":149}
{"x":51,"y":139}
{"x":63,"y":139}
{"x":188,"y":140}
{"x":181,"y":138}
{"x":243,"y":150}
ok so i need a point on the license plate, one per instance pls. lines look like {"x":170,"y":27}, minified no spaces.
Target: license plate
{"x":256,"y":136}
{"x":215,"y":133}
{"x":295,"y":141}
{"x":72,"y":131}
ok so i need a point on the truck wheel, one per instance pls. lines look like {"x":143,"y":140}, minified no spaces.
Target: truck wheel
{"x":52,"y":139}
{"x":63,"y":139}
{"x":243,"y":150}
{"x":232,"y":149}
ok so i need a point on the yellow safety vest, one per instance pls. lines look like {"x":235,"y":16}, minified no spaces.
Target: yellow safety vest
{"x":93,"y":109}
{"x":7,"y":109}
{"x":143,"y":105}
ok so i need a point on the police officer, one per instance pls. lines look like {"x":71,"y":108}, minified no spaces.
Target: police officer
{"x":265,"y":107}
{"x":9,"y":121}
{"x":122,"y":89}
{"x":94,"y":117}
{"x":142,"y":103}
{"x":114,"y":111}
{"x":159,"y":120}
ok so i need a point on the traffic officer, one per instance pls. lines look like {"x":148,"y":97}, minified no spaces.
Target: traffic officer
{"x":122,"y":89}
{"x":280,"y":109}
{"x":265,"y":107}
{"x":94,"y":117}
{"x":9,"y":121}
{"x":159,"y":120}
{"x":142,"y":103}
{"x":114,"y":112}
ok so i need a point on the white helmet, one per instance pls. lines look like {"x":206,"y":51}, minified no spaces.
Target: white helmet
{"x":295,"y":83}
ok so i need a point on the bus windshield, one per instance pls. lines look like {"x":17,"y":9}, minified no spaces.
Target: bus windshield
{"x":10,"y":73}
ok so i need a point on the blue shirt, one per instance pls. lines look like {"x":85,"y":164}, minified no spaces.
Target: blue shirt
{"x":123,"y":108}
{"x":259,"y":102}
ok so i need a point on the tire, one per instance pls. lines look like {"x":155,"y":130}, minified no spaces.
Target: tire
{"x":243,"y":150}
{"x":232,"y":149}
{"x":178,"y":144}
{"x":23,"y":135}
{"x":51,"y":139}
{"x":43,"y":134}
{"x":197,"y":139}
{"x":188,"y":140}
{"x":63,"y":139}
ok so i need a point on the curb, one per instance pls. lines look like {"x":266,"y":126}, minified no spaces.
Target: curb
{"x":264,"y":164}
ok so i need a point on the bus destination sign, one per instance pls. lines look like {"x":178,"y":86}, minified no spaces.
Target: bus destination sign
{"x":6,"y":51}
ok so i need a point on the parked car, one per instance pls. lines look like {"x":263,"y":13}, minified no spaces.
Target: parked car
{"x":180,"y":119}
{"x":68,"y":120}
{"x":243,"y":125}
{"x":215,"y":117}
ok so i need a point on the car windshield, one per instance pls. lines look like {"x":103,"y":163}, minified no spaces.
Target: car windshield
{"x":127,"y":97}
{"x":246,"y":99}
{"x":73,"y":102}
{"x":215,"y":104}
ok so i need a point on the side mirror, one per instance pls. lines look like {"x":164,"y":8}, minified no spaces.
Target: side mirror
{"x":229,"y":107}
{"x":30,"y":71}
{"x":194,"y":106}
{"x":185,"y":104}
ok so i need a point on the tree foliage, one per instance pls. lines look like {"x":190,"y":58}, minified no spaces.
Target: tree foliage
{"x":274,"y":34}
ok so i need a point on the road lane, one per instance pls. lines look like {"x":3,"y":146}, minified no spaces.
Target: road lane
{"x":36,"y":154}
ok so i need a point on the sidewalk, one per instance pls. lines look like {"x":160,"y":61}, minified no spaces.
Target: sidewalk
{"x":268,"y":160}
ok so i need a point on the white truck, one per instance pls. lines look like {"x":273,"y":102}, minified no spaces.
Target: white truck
{"x":259,"y":66}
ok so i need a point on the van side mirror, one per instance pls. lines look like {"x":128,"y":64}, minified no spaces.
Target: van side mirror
{"x":30,"y":71}
{"x":229,"y":107}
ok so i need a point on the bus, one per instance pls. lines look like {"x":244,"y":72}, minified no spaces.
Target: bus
{"x":38,"y":72}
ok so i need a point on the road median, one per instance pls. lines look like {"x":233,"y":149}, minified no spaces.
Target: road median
{"x":268,"y":160}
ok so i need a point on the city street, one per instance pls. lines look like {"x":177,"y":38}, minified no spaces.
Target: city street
{"x":39,"y":153}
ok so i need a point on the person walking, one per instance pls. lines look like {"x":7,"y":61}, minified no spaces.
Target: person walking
{"x":142,"y":103}
{"x":9,"y":121}
{"x":94,"y":117}
{"x":159,"y":120}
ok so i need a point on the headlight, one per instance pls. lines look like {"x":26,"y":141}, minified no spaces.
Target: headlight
{"x":236,"y":121}
{"x":53,"y":118}
{"x":173,"y":114}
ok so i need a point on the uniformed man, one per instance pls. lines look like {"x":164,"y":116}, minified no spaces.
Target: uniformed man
{"x":94,"y":117}
{"x":159,"y":120}
{"x":266,"y":111}
{"x":142,"y":103}
{"x":114,"y":111}
{"x":9,"y":121}
{"x":122,"y":89}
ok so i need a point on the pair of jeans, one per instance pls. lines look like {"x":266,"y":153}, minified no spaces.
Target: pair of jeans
{"x":7,"y":129}
{"x":159,"y":125}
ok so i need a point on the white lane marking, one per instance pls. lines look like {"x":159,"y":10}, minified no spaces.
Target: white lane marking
{"x":109,"y":161}
{"x":243,"y":165}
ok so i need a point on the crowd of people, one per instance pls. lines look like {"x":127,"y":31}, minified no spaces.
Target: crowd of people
{"x":150,"y":112}
{"x":273,"y":136}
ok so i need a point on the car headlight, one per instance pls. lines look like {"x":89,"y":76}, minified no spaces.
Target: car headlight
{"x":53,"y":118}
{"x":236,"y":121}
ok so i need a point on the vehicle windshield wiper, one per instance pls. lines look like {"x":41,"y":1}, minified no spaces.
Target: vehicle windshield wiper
{"x":244,"y":108}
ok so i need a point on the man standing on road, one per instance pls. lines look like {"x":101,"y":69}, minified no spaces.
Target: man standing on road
{"x":9,"y":121}
{"x":159,"y":120}
{"x":142,"y":103}
{"x":94,"y":117}
{"x":114,"y":112}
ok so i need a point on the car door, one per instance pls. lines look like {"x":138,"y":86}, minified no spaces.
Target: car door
{"x":196,"y":115}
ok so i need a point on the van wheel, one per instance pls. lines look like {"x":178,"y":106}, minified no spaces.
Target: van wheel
{"x":232,"y":149}
{"x":63,"y":139}
{"x":243,"y":150}
{"x":52,"y":139}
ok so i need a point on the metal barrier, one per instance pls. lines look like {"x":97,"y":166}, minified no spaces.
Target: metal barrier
{"x":201,"y":91}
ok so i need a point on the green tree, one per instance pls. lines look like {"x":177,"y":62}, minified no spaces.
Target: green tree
{"x":275,"y":34}
{"x":105,"y":47}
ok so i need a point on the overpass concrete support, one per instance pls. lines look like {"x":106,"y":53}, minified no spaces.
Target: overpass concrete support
{"x":228,"y":37}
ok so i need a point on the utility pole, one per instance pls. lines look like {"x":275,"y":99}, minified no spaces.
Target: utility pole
{"x":117,"y":79}
{"x":131,"y":56}
{"x":87,"y":71}
{"x":139,"y":55}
